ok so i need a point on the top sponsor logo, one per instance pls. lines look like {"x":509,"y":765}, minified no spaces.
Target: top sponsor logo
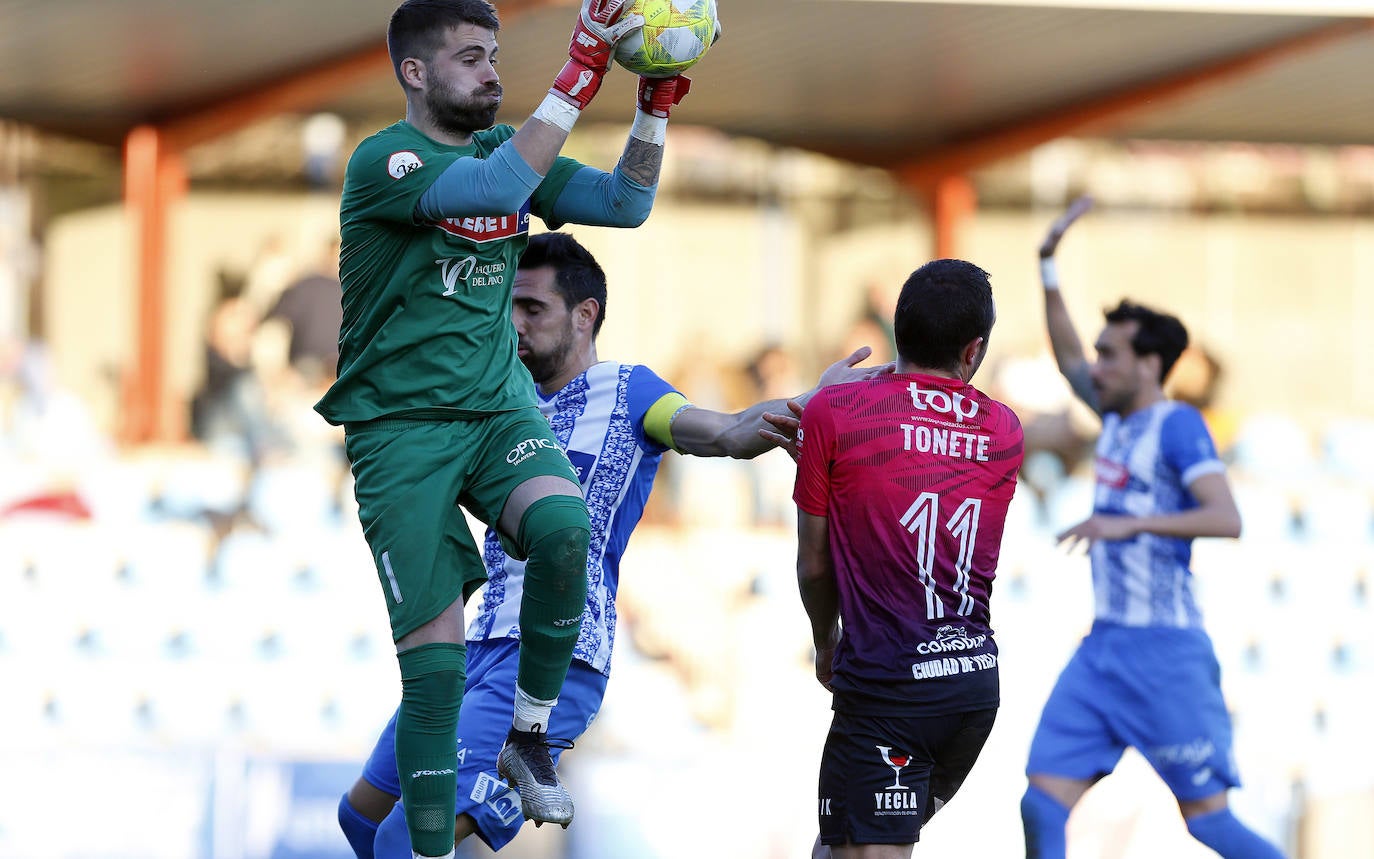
{"x":954,"y":405}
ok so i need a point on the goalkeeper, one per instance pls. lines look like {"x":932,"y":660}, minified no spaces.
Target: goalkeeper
{"x":436,"y":409}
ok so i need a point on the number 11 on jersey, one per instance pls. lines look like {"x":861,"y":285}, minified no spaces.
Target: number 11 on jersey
{"x":920,"y":520}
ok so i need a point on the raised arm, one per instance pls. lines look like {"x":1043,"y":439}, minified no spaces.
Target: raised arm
{"x":501,"y":183}
{"x":600,"y":24}
{"x":624,"y":197}
{"x":702,"y":432}
{"x":1068,"y":349}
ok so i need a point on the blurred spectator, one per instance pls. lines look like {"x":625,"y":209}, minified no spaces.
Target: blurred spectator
{"x":48,"y":438}
{"x":1195,"y":380}
{"x":875,"y":319}
{"x":268,"y":274}
{"x":1059,"y":431}
{"x":774,"y":373}
{"x":43,"y":421}
{"x":229,"y":410}
{"x":310,"y":307}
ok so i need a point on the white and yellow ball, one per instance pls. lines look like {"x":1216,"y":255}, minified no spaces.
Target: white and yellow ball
{"x":676,"y":34}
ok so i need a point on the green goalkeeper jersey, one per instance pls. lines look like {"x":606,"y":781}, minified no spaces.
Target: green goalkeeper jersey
{"x":427,"y":306}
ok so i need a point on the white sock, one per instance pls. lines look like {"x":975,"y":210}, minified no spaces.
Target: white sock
{"x":532,"y":714}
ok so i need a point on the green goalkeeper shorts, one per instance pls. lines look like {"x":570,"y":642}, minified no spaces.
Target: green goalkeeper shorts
{"x":410,"y":476}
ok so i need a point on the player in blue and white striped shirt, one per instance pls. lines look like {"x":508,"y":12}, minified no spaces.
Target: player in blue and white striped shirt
{"x":615,"y":421}
{"x":1145,"y":676}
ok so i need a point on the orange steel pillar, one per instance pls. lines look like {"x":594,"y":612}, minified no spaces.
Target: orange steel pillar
{"x":953,"y":202}
{"x":154,"y":178}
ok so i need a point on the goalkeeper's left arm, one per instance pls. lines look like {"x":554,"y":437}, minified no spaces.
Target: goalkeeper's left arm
{"x":600,"y":199}
{"x":623,"y":197}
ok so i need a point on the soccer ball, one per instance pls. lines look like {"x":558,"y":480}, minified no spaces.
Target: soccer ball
{"x":675,"y":35}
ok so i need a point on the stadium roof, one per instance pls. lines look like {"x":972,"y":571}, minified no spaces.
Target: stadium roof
{"x":928,"y":90}
{"x":926,"y":86}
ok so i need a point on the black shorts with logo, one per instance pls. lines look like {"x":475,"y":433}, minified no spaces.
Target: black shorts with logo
{"x":882,"y":777}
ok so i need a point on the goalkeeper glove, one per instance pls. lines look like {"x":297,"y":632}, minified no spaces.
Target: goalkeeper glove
{"x":657,"y":96}
{"x":600,"y":24}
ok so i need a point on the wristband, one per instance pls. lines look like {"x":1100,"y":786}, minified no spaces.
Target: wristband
{"x":1049,"y":273}
{"x":649,"y":128}
{"x":556,"y":111}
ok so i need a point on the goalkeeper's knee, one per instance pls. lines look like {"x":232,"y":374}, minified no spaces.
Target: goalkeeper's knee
{"x":556,"y":531}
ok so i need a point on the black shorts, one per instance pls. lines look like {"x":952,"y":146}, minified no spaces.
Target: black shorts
{"x":882,"y":777}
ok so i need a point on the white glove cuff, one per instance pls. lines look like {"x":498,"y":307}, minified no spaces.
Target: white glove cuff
{"x":557,"y":112}
{"x":1049,"y":273}
{"x":649,"y":128}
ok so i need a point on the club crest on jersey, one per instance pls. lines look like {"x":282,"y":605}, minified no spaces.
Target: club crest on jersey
{"x":480,"y":229}
{"x":402,"y":164}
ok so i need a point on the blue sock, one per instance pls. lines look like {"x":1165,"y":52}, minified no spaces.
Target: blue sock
{"x":393,"y":839}
{"x":359,"y":831}
{"x":1221,"y":831}
{"x":1044,"y":820}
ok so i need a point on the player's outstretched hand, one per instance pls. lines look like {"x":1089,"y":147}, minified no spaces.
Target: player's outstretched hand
{"x":1076,"y":210}
{"x":845,"y":369}
{"x":600,"y":24}
{"x":784,"y":432}
{"x":1098,"y":527}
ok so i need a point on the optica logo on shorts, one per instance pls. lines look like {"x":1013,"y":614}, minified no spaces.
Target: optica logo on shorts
{"x":527,"y":448}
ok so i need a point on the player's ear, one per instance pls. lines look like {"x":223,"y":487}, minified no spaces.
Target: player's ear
{"x":585,"y":313}
{"x":413,"y":73}
{"x":1150,"y":365}
{"x":972,"y":354}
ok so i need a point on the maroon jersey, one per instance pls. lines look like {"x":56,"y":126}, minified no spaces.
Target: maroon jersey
{"x":914,"y":474}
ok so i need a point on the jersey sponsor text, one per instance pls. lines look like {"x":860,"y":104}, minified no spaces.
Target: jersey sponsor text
{"x":487,"y":228}
{"x":951,"y":665}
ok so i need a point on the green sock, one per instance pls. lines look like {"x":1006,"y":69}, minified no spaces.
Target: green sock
{"x":432,"y":677}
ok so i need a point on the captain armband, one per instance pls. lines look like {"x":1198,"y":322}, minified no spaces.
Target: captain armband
{"x":658,"y":420}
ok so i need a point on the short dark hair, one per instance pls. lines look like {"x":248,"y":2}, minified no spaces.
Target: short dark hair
{"x":943,"y":306}
{"x":578,"y":276}
{"x":1155,"y":334}
{"x":417,"y":27}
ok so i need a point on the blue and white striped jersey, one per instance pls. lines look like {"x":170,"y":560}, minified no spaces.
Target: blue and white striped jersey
{"x":599,"y":420}
{"x":1145,"y":463}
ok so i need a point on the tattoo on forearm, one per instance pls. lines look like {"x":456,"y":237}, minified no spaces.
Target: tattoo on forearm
{"x":642,"y":161}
